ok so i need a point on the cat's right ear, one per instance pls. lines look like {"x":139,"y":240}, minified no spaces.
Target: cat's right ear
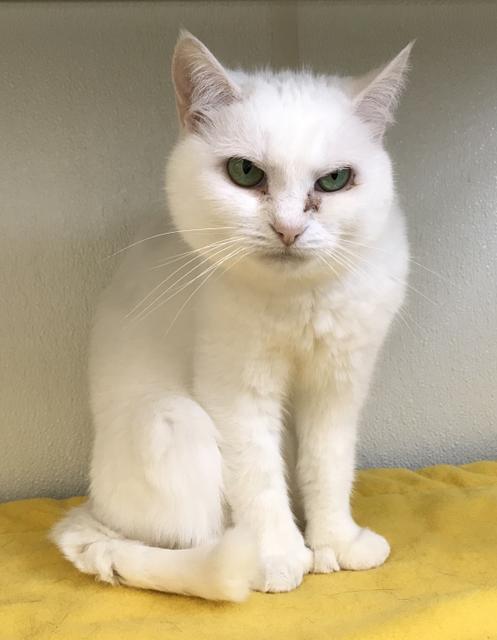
{"x":202,"y":85}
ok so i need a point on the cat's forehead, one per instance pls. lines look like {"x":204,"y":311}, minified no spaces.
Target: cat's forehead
{"x":287,"y":118}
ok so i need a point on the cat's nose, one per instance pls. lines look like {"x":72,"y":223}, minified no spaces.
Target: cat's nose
{"x":287,"y":233}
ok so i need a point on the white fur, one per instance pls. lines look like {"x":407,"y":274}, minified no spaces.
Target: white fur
{"x":205,"y":370}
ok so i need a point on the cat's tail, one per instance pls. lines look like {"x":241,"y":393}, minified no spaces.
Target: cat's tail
{"x":219,"y":571}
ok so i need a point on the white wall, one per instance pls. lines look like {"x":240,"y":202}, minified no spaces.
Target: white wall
{"x":86,"y":119}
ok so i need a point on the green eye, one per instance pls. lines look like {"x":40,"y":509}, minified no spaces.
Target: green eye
{"x":335,"y":180}
{"x":244,"y":173}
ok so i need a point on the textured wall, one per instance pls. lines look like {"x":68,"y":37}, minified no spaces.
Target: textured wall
{"x":86,"y":119}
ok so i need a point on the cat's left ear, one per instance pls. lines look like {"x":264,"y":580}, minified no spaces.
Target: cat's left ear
{"x":201,"y":83}
{"x":376,"y":95}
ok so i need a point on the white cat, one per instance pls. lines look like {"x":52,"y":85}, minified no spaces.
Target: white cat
{"x":230,"y":358}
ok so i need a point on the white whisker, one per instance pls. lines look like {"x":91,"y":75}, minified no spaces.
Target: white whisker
{"x":415,"y":262}
{"x":160,"y":235}
{"x":328,"y":265}
{"x":198,"y":251}
{"x":194,"y":259}
{"x":346,"y":263}
{"x":354,"y":256}
{"x":244,"y":255}
{"x":143,"y":313}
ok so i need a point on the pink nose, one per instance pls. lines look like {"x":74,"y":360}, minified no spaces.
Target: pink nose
{"x":288,"y":233}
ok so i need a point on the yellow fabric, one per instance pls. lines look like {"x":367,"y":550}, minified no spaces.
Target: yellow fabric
{"x":439,"y":583}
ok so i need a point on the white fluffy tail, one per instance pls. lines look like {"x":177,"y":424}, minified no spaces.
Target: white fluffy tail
{"x":219,"y":571}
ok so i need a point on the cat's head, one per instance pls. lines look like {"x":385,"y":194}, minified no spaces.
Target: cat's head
{"x":286,"y":169}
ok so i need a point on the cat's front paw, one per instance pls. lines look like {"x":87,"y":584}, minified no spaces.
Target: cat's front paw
{"x":365,"y":550}
{"x":325,"y":561}
{"x":283,"y":571}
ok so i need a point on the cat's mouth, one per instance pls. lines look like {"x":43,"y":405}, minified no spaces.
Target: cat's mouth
{"x":284,"y":255}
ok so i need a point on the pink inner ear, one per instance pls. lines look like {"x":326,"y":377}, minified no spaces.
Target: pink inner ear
{"x":376,"y":101}
{"x":201,"y":83}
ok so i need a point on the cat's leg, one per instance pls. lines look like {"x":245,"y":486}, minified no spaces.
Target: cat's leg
{"x":327,"y":406}
{"x":155,"y":517}
{"x":156,"y":470}
{"x":245,"y":401}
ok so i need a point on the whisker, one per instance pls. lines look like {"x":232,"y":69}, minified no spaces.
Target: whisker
{"x":244,"y":255}
{"x":198,"y":251}
{"x":415,"y":262}
{"x":160,"y":235}
{"x":138,"y":304}
{"x":399,"y":311}
{"x":143,"y":313}
{"x":335,"y":272}
{"x":372,"y":265}
{"x":203,"y":261}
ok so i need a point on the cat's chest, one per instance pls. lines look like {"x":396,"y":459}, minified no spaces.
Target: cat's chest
{"x":328,"y":319}
{"x":321,"y":320}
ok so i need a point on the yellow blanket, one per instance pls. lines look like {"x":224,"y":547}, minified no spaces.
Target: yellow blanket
{"x":440,"y":581}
